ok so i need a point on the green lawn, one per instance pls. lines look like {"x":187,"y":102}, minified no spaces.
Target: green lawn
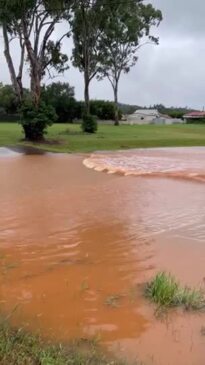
{"x":69,"y":138}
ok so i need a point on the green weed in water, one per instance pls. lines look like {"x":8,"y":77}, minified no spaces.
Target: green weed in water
{"x":166,"y":291}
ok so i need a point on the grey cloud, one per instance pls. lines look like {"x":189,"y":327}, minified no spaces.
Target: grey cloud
{"x":182,"y":18}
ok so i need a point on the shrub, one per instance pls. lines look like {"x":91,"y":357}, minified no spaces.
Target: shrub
{"x":196,"y":121}
{"x":35,"y":120}
{"x":165,"y":291}
{"x":89,"y":124}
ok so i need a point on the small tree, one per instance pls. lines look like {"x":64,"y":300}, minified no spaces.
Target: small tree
{"x":127,"y":24}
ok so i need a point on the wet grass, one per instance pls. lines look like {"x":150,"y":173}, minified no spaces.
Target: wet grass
{"x":20,"y":348}
{"x":108,"y":137}
{"x":166,"y":291}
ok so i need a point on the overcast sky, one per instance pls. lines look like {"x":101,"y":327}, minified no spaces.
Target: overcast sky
{"x":172,"y":73}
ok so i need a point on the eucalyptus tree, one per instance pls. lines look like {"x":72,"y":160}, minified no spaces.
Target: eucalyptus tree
{"x":32,"y":23}
{"x":128,"y":26}
{"x":86,"y":26}
{"x":7,"y":14}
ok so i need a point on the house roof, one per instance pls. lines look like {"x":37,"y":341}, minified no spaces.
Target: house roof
{"x":147,"y":112}
{"x":196,"y":114}
{"x":166,"y":116}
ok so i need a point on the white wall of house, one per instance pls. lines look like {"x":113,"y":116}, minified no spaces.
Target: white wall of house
{"x":143,"y":116}
{"x":168,"y":121}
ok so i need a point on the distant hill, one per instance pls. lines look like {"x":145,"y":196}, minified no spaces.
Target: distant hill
{"x":128,"y":109}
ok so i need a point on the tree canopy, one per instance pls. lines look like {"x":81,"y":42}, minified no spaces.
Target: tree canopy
{"x":128,"y":26}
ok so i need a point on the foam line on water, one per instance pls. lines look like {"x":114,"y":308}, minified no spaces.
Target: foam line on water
{"x":184,"y":163}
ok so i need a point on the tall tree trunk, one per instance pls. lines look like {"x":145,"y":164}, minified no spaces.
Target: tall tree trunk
{"x":35,"y":86}
{"x":115,"y":88}
{"x":20,"y":72}
{"x":85,"y":25}
{"x":86,"y":93}
{"x":34,"y":68}
{"x":16,"y":82}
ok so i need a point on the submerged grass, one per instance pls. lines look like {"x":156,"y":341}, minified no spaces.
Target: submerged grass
{"x":113,"y":300}
{"x":20,"y":348}
{"x":166,"y":291}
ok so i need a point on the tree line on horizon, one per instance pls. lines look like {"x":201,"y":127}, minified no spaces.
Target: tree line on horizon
{"x":107,"y":36}
{"x":61,"y":96}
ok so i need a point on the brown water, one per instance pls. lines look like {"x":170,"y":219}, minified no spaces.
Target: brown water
{"x":71,"y":237}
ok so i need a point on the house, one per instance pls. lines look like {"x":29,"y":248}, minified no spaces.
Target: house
{"x":194,"y":117}
{"x":143,"y":116}
{"x":150,"y":116}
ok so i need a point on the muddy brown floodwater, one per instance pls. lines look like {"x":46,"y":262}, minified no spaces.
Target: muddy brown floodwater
{"x":76,"y":245}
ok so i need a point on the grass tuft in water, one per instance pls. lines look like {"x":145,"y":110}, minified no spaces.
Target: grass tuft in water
{"x":166,"y":291}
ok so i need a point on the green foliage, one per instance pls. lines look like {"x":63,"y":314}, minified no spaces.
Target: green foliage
{"x":85,"y":26}
{"x":86,"y":29}
{"x":196,"y":121}
{"x":32,"y":23}
{"x":127,"y":23}
{"x":55,"y":58}
{"x":128,"y":109}
{"x":173,"y":112}
{"x":61,"y":97}
{"x":104,"y":110}
{"x":79,"y":109}
{"x":8,"y":100}
{"x":89,"y":124}
{"x":165,"y":291}
{"x":35,"y":120}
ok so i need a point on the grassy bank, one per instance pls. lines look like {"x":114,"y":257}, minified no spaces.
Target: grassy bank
{"x":19,"y":348}
{"x":69,"y":138}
